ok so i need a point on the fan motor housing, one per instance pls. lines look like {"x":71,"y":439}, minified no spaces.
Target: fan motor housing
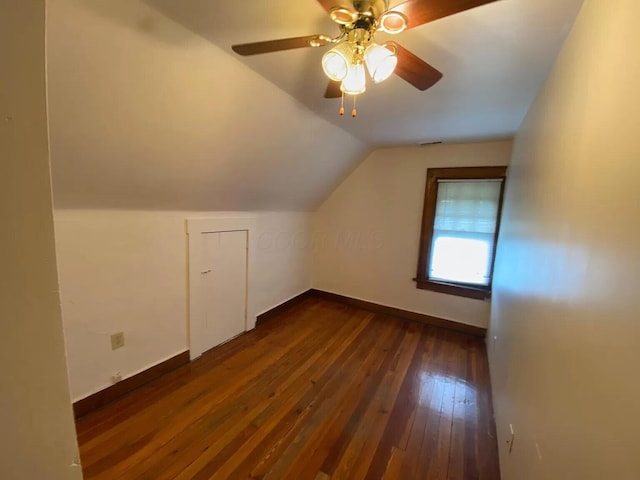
{"x":364,"y":23}
{"x":372,"y":7}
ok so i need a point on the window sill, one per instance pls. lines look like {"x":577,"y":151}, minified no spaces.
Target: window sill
{"x":453,"y":289}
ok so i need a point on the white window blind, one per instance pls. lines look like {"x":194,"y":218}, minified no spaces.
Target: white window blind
{"x":464,"y":230}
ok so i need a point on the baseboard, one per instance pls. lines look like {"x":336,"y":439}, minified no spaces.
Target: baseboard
{"x":404,"y":314}
{"x":120,"y":389}
{"x":275,"y":311}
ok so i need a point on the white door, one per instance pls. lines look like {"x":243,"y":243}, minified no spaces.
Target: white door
{"x":223,"y":287}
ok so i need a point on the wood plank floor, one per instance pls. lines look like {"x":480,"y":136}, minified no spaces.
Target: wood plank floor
{"x":324,"y":391}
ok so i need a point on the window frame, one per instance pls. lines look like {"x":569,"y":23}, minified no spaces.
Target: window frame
{"x":428,"y":219}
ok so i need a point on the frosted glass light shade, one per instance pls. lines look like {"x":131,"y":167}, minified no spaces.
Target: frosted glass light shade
{"x":336,"y":61}
{"x":355,"y":82}
{"x":381,"y":62}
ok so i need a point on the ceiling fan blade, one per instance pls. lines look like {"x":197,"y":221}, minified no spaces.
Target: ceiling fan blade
{"x":420,"y":12}
{"x":277,"y":45}
{"x":327,"y":4}
{"x":333,"y":90}
{"x":415,"y":70}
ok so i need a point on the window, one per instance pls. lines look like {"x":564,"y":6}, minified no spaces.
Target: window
{"x":460,"y":224}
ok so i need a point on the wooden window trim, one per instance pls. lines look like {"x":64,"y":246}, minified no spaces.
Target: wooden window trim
{"x":428,"y":217}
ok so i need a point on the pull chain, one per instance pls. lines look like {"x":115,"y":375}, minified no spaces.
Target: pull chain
{"x":354,"y":112}
{"x":342,"y":105}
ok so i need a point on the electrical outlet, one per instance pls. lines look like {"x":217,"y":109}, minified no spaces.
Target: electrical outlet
{"x":117,"y":340}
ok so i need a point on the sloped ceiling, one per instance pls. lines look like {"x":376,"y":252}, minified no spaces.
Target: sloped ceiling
{"x":149,"y":107}
{"x":145,"y":114}
{"x":494,"y":59}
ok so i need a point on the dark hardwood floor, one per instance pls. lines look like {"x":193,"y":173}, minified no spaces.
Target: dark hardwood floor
{"x":324,"y":391}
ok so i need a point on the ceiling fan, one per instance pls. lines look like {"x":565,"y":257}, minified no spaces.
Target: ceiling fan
{"x":355,"y":47}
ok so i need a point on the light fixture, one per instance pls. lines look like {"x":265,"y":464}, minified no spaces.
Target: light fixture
{"x":346,"y":63}
{"x":336,"y":61}
{"x":381,"y":61}
{"x":355,"y":82}
{"x":342,"y":16}
{"x":393,"y":22}
{"x":356,"y":51}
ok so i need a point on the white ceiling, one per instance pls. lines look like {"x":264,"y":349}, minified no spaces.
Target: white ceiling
{"x":494,"y":59}
{"x":149,"y":107}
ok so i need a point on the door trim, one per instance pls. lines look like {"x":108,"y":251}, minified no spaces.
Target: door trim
{"x":195,"y":228}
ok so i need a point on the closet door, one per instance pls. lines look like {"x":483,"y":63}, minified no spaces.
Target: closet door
{"x":223,"y":287}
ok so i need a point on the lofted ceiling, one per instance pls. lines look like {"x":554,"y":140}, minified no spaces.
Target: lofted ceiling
{"x":150,"y":108}
{"x":145,"y":114}
{"x":494,"y":59}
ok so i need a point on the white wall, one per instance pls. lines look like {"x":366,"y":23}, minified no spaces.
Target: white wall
{"x":150,"y":124}
{"x":567,"y":285}
{"x":37,"y":439}
{"x":367,"y":233}
{"x":127,"y":271}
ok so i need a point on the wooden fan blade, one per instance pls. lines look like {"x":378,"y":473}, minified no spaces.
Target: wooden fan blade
{"x":327,"y":4}
{"x":420,"y":12}
{"x":333,"y":90}
{"x":415,"y":70}
{"x":276,"y":45}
